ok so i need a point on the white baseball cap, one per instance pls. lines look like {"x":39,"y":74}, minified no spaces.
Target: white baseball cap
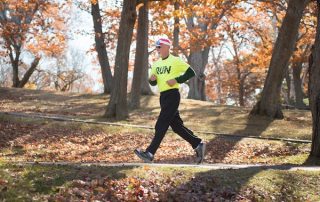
{"x":163,"y":41}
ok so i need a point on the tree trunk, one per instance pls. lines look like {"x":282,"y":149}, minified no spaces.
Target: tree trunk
{"x":176,"y":29}
{"x":141,"y":58}
{"x":15,"y":78}
{"x":314,"y":90}
{"x":299,"y":77}
{"x":269,"y":104}
{"x":28,"y":74}
{"x":288,"y":93}
{"x":145,"y":86}
{"x":198,"y":61}
{"x":16,"y":83}
{"x":101,"y":48}
{"x":297,"y":84}
{"x":18,"y":21}
{"x":117,"y":107}
{"x":217,"y":70}
{"x":15,"y":68}
{"x":199,"y":53}
{"x":241,"y":91}
{"x":315,"y":146}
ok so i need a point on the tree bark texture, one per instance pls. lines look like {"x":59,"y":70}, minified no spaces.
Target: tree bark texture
{"x":297,"y":84}
{"x":29,"y":72}
{"x":15,"y":67}
{"x":176,"y":29}
{"x":101,"y":48}
{"x":198,"y":61}
{"x":314,"y":90}
{"x":289,"y":93}
{"x":145,"y":86}
{"x":269,"y":104}
{"x":242,"y":91}
{"x":117,"y":107}
{"x":141,"y":57}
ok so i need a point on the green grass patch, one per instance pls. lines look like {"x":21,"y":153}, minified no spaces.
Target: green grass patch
{"x":150,"y":183}
{"x":281,"y":185}
{"x":39,"y":182}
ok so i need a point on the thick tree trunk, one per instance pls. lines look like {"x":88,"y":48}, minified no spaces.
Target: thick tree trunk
{"x":101,"y":48}
{"x":269,"y":104}
{"x":141,"y":58}
{"x":315,"y":146}
{"x":117,"y":107}
{"x":198,"y":61}
{"x":314,"y":90}
{"x":145,"y":86}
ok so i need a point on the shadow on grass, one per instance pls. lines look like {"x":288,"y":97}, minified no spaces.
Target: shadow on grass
{"x":206,"y":186}
{"x":221,"y":153}
{"x":247,"y":131}
{"x":90,"y":183}
{"x":231,"y":185}
{"x":30,"y":181}
{"x":247,"y":184}
{"x":213,"y":185}
{"x":8,"y":133}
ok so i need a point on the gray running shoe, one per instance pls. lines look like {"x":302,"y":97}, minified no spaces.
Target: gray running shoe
{"x":147,"y":157}
{"x":200,"y":151}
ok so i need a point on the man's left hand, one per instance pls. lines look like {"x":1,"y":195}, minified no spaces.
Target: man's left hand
{"x":171,"y":82}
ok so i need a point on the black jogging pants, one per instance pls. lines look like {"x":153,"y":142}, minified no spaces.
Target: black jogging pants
{"x":169,"y":116}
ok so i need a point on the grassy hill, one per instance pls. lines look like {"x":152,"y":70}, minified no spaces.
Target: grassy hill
{"x":36,"y":139}
{"x":198,"y":115}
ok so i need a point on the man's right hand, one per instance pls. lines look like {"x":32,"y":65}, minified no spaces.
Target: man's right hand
{"x":153,"y":77}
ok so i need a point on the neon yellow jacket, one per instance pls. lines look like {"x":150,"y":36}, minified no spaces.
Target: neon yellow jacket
{"x":169,"y":68}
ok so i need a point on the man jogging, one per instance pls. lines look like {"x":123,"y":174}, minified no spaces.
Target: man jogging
{"x":168,"y":72}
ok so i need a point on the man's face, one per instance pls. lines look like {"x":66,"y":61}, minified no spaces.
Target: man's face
{"x":163,"y":50}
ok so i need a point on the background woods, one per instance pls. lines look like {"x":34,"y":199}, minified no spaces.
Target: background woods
{"x":228,"y":43}
{"x":20,"y":24}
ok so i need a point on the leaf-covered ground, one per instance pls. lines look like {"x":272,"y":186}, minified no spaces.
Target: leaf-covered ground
{"x":74,"y":183}
{"x":64,"y":141}
{"x":197,"y":115}
{"x":36,"y":140}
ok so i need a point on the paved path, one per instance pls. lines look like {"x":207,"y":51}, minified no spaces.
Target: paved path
{"x":218,"y":166}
